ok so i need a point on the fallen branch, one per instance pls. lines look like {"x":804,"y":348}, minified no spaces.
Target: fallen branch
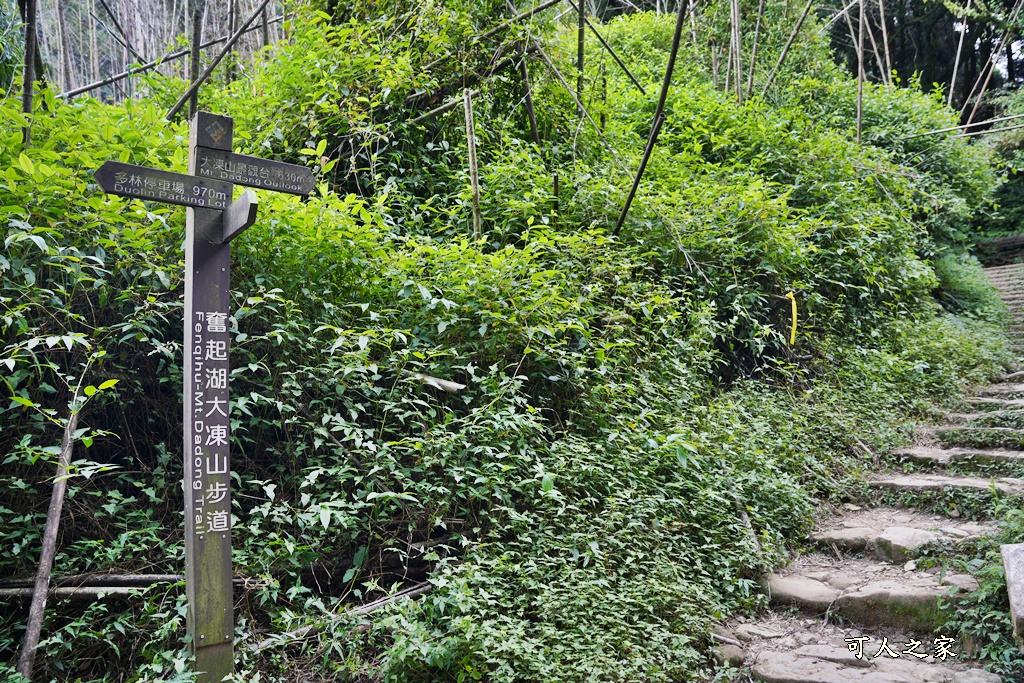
{"x":177,"y":54}
{"x":27,"y":658}
{"x":369,"y":608}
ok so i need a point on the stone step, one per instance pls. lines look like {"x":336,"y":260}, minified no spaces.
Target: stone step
{"x":989,"y":403}
{"x":1003,"y":390}
{"x":868,"y":593}
{"x":924,"y":483}
{"x":782,"y":648}
{"x":893,"y":535}
{"x":1013,"y":419}
{"x":981,"y":437}
{"x":1013,"y":570}
{"x":831,"y":663}
{"x":945,"y":456}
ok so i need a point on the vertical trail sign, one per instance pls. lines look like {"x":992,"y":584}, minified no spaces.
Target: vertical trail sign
{"x":208,"y":571}
{"x":212,"y":221}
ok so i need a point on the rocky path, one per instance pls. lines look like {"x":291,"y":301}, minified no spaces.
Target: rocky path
{"x":857,"y":608}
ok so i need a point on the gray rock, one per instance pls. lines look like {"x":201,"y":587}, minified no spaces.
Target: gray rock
{"x":1013,"y":569}
{"x":898,"y":544}
{"x":954,"y":531}
{"x":975,"y":676}
{"x":729,"y":654}
{"x":853,"y":539}
{"x":887,"y":603}
{"x":965,"y":582}
{"x":843,"y":581}
{"x":746,"y":632}
{"x":938,"y":482}
{"x":802,"y":592}
{"x":831,"y":653}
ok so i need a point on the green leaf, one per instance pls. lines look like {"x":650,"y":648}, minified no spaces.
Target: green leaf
{"x":90,"y":390}
{"x":23,"y":401}
{"x":321,"y":146}
{"x":109,"y":383}
{"x":26,"y":164}
{"x":325,"y":517}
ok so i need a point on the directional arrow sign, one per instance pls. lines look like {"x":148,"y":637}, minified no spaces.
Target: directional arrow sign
{"x":253,"y":171}
{"x":142,"y":182}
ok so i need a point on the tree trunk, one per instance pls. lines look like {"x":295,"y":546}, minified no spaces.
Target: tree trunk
{"x":27,"y":658}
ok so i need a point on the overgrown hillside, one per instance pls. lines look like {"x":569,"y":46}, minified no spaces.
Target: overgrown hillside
{"x":629,"y":397}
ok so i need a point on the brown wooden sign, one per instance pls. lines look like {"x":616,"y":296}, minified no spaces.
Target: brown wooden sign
{"x":253,"y":171}
{"x":212,"y":221}
{"x":142,"y":182}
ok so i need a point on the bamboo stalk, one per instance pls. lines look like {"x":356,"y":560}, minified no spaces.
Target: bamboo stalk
{"x":127,"y":43}
{"x":860,"y":72}
{"x":753,"y":50}
{"x":194,"y":87}
{"x":474,"y":178}
{"x":785,"y":50}
{"x":885,"y":39}
{"x":580,"y":38}
{"x":28,"y":74}
{"x":960,"y":48}
{"x":370,"y":608}
{"x":659,"y":114}
{"x":608,"y":47}
{"x":195,"y":54}
{"x":447,"y":106}
{"x":966,"y":125}
{"x":177,"y":54}
{"x":26,"y":660}
{"x":986,"y":132}
{"x":737,"y":47}
{"x":874,"y":50}
{"x":524,"y":73}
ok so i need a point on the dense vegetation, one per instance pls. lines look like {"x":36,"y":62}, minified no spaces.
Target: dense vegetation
{"x":627,"y":396}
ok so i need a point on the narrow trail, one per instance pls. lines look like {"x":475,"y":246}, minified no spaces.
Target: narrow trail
{"x":856,"y":607}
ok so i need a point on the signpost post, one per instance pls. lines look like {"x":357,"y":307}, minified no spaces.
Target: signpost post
{"x":212,"y":221}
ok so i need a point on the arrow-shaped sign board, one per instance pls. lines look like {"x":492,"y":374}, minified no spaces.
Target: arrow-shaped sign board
{"x":253,"y":171}
{"x":142,"y":182}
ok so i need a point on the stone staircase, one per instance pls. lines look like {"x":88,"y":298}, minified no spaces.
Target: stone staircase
{"x":857,"y":608}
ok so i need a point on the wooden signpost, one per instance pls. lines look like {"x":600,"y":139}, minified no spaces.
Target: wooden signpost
{"x":212,"y":221}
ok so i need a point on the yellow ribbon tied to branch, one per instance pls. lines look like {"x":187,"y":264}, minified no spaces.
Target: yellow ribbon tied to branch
{"x":792,"y":332}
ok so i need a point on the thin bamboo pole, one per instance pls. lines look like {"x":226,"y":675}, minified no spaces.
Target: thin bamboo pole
{"x":986,"y":132}
{"x":860,"y":72}
{"x":195,"y":55}
{"x":785,"y":50}
{"x":966,"y":125}
{"x":194,"y":87}
{"x":737,"y":48}
{"x":608,"y":47}
{"x":524,"y":73}
{"x":959,"y":50}
{"x":753,"y":50}
{"x":474,"y":171}
{"x":177,"y":54}
{"x":27,"y":658}
{"x":885,"y":39}
{"x":580,"y":44}
{"x":28,"y":74}
{"x":659,"y":114}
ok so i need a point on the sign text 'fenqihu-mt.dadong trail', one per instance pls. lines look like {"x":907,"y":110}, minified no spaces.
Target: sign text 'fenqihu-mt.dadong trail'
{"x":212,"y":221}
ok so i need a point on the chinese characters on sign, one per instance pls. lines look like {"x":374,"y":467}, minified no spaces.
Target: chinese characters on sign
{"x":253,"y":171}
{"x":128,"y":180}
{"x":211,"y":477}
{"x":942,"y":648}
{"x":213,"y":219}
